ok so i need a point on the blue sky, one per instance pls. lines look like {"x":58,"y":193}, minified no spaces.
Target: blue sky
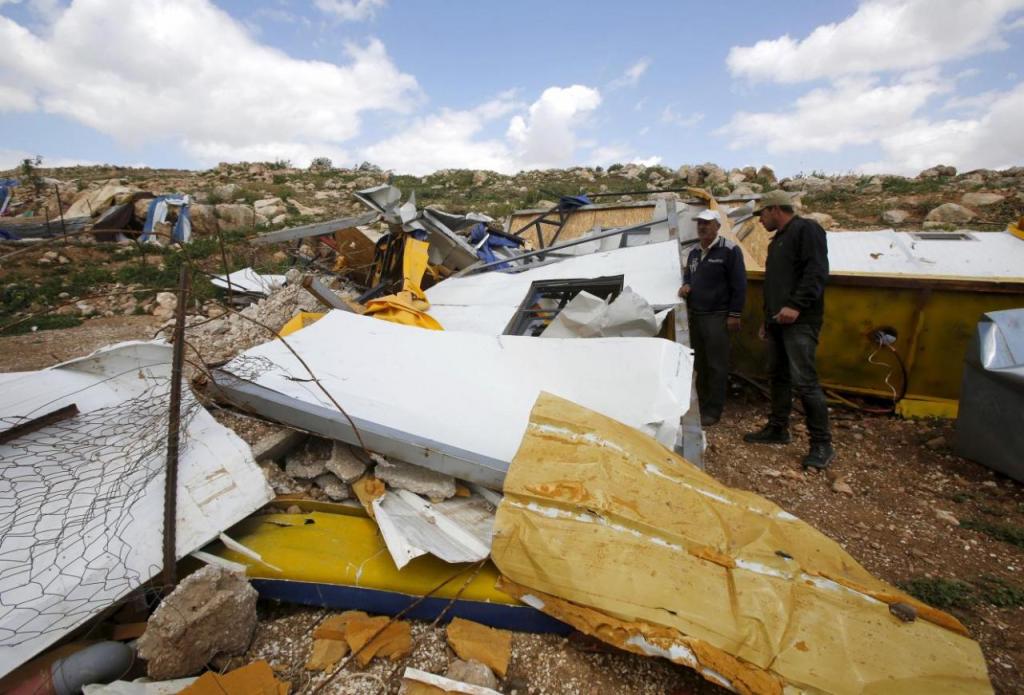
{"x":883,"y":85}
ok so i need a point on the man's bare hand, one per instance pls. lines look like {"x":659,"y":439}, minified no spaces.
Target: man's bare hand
{"x":684,"y":291}
{"x":733,"y":324}
{"x":787,"y":315}
{"x":762,"y":331}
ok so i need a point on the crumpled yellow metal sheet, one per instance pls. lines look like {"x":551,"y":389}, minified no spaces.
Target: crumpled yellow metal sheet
{"x":408,"y":307}
{"x":604,"y":528}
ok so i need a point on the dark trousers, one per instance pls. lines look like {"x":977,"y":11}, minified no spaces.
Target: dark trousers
{"x":791,"y":366}
{"x":709,"y":338}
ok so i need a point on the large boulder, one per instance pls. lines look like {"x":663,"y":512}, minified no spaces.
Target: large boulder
{"x":211,"y":612}
{"x":766,"y":173}
{"x":227,"y":192}
{"x":204,"y":219}
{"x":979,"y":199}
{"x":270,"y":207}
{"x":895,"y":216}
{"x":948,"y":214}
{"x":936,"y":171}
{"x":93,"y":202}
{"x":824,"y":219}
{"x":235,"y":216}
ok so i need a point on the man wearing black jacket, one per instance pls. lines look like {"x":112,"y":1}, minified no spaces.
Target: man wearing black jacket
{"x":794,"y":305}
{"x":715,"y":288}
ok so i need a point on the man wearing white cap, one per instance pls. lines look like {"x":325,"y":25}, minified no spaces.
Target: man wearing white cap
{"x":715,"y":289}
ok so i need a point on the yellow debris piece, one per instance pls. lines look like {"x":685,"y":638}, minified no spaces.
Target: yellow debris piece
{"x":606,"y":529}
{"x":326,"y":654}
{"x":489,"y":646}
{"x":256,"y":678}
{"x":368,"y":489}
{"x":408,"y":307}
{"x":299,"y":321}
{"x":333,"y":627}
{"x":380,"y":637}
{"x":347,"y":549}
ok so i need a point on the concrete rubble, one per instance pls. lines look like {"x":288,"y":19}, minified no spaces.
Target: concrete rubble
{"x":211,"y":612}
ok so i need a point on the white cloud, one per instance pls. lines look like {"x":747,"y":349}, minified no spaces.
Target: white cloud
{"x":632,"y":75}
{"x":12,"y":99}
{"x":881,"y":35}
{"x":350,"y":10}
{"x":669,"y":115}
{"x":606,"y":155}
{"x":992,"y":140}
{"x":201,"y":79}
{"x":853,"y":111}
{"x":545,"y":137}
{"x":447,"y":140}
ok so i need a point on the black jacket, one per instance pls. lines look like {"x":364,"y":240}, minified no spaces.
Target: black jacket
{"x":796,"y":271}
{"x":719,"y":282}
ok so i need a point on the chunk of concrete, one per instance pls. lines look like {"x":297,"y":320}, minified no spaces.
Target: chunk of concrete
{"x":422,"y":481}
{"x":344,"y":464}
{"x":277,"y":445}
{"x":333,"y":486}
{"x":309,"y":461}
{"x":472,"y":672}
{"x":475,"y":642}
{"x":212,"y":611}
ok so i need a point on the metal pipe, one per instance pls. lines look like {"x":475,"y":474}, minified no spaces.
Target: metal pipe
{"x":564,"y":245}
{"x":170,"y":574}
{"x":60,"y":206}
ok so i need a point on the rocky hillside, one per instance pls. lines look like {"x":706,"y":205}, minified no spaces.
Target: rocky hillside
{"x":58,"y":285}
{"x":270,"y":195}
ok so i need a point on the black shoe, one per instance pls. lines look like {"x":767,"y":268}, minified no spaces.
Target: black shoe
{"x":821,"y":455}
{"x":709,"y":420}
{"x":769,"y":434}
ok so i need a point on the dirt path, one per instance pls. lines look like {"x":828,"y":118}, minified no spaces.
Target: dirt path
{"x":45,"y":348}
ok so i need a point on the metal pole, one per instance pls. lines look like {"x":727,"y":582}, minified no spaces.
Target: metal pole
{"x":224,"y":262}
{"x":170,"y":574}
{"x":564,"y":245}
{"x":60,"y":206}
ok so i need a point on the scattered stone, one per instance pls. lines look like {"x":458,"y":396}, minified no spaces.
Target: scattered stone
{"x":948,"y":214}
{"x":772,"y":473}
{"x":333,"y":487}
{"x":422,"y":481}
{"x":344,"y":463}
{"x":212,"y":611}
{"x":936,"y":443}
{"x":472,"y":672}
{"x":793,"y":475}
{"x":841,"y":485}
{"x":895,"y":216}
{"x":981,"y":199}
{"x":281,"y":482}
{"x":308,"y":462}
{"x":947,"y":517}
{"x":166,"y":305}
{"x":825,"y":220}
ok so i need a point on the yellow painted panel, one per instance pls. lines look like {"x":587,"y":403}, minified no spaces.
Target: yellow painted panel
{"x":607,"y":520}
{"x":934,"y":328}
{"x":299,"y":321}
{"x":347,"y":550}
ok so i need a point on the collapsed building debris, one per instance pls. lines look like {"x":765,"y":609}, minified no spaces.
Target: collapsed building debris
{"x":80,"y":497}
{"x":387,"y":497}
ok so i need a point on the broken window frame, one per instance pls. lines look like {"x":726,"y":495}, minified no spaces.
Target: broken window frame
{"x":530,"y":320}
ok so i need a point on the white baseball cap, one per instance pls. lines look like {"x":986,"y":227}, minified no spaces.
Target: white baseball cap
{"x":709,"y":215}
